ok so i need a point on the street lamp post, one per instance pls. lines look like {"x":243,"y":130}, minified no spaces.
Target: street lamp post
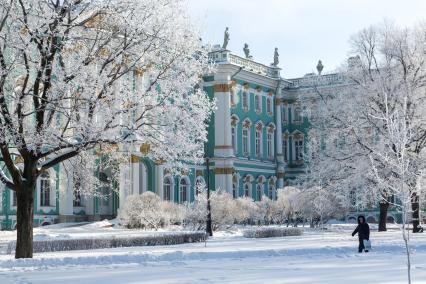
{"x":209,"y":230}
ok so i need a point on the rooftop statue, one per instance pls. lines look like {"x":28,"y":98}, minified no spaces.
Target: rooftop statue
{"x":247,"y":51}
{"x":319,"y":67}
{"x":276,"y":57}
{"x":226,"y":38}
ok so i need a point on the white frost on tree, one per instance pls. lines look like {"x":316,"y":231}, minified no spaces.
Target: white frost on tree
{"x":76,"y":75}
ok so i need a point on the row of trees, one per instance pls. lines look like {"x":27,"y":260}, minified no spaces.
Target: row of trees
{"x":292,"y":207}
{"x":357,"y":137}
{"x":370,"y":136}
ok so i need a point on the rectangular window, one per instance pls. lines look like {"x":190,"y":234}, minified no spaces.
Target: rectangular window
{"x":245,"y":101}
{"x":14,"y":199}
{"x":298,"y":148}
{"x":44,"y":192}
{"x":258,"y":145}
{"x":269,"y":105}
{"x":245,"y":142}
{"x":234,"y":139}
{"x":283,"y":114}
{"x":257,"y":105}
{"x":285,"y":150}
{"x":270,"y":139}
{"x":297,"y":115}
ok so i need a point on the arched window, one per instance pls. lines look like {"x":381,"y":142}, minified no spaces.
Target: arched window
{"x":183,"y":190}
{"x":257,"y":103}
{"x":235,"y":186}
{"x":44,"y":189}
{"x":167,"y":189}
{"x":259,"y":191}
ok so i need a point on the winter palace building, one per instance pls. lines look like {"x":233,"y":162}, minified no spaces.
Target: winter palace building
{"x":256,"y":141}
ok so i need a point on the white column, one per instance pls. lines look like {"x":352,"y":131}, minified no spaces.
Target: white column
{"x":66,"y":193}
{"x":159,"y":176}
{"x":279,"y":139}
{"x":222,"y":118}
{"x":135,"y":173}
{"x":124,"y":190}
{"x":223,"y":151}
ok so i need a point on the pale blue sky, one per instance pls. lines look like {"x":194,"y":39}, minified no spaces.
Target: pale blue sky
{"x":303,"y":30}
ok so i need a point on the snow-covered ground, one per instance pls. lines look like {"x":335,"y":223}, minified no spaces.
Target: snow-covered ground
{"x":316,"y":257}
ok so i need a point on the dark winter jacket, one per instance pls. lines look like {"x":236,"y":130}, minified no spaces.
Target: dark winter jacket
{"x":363,"y":230}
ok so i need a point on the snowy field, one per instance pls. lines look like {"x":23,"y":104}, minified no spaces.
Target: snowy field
{"x":316,"y":257}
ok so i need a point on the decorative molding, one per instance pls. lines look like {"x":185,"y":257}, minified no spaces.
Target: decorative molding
{"x":280,"y":175}
{"x":223,"y":147}
{"x":221,"y":88}
{"x":198,"y":173}
{"x":134,"y":159}
{"x":224,"y":171}
{"x":160,"y":162}
{"x":145,"y":148}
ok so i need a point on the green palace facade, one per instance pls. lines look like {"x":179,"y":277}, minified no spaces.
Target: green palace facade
{"x":256,"y":142}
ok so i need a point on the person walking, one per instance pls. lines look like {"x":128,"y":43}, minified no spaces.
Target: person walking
{"x":363,"y":231}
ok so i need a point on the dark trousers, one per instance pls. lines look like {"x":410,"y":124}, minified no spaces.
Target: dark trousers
{"x":361,"y":245}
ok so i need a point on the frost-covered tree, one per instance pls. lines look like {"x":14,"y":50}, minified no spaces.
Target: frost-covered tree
{"x":386,"y":60}
{"x":80,"y":74}
{"x":394,"y":154}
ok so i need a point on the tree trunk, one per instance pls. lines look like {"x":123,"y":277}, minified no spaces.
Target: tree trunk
{"x":24,"y":221}
{"x":384,"y":205}
{"x":416,"y":216}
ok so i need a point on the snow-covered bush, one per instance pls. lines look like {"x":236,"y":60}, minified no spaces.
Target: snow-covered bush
{"x":270,"y":232}
{"x":172,"y":213}
{"x":195,"y":214}
{"x":245,"y":210}
{"x":223,"y":210}
{"x":143,"y":211}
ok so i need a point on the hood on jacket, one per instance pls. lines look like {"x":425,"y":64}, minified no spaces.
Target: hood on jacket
{"x":359,"y":218}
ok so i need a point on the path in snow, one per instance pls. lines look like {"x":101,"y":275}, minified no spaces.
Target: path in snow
{"x":316,"y":257}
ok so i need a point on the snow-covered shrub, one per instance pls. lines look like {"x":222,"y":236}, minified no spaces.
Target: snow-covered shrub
{"x":245,"y":210}
{"x":142,"y":211}
{"x":172,"y":213}
{"x":270,"y":232}
{"x":287,"y":206}
{"x":264,"y":211}
{"x":223,"y":209}
{"x":195,"y":214}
